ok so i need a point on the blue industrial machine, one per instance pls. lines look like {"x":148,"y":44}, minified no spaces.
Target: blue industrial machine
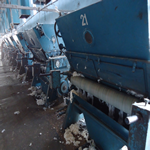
{"x":6,"y":48}
{"x":17,"y":55}
{"x":48,"y":65}
{"x":24,"y":56}
{"x":24,"y":13}
{"x":11,"y":52}
{"x":107,"y":44}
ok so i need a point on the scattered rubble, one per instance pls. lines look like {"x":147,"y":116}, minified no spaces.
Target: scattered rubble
{"x":30,"y":144}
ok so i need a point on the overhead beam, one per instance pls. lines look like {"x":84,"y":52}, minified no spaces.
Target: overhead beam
{"x":10,"y":6}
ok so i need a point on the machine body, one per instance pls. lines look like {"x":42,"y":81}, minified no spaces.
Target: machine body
{"x":47,"y":58}
{"x":107,"y":44}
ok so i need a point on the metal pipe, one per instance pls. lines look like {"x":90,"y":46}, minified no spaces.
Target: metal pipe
{"x":115,"y":98}
{"x":52,"y":10}
{"x":18,"y":1}
{"x":11,"y":16}
{"x":10,"y":6}
{"x":48,"y":5}
{"x":131,"y":119}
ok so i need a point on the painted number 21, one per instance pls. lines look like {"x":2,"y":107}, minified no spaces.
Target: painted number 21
{"x":84,"y":20}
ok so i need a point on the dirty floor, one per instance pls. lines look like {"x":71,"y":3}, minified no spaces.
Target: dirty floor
{"x":33,"y":128}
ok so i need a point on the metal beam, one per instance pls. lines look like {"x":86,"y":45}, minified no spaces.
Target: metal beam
{"x":31,"y":8}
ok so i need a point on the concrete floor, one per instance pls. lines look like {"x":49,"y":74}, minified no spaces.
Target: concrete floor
{"x":23,"y":129}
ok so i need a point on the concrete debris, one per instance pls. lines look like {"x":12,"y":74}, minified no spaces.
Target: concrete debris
{"x":18,"y":92}
{"x":3,"y":130}
{"x":52,"y":108}
{"x":16,"y":112}
{"x":30,"y":144}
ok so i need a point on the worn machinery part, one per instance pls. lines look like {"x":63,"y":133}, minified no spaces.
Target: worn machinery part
{"x":115,"y":98}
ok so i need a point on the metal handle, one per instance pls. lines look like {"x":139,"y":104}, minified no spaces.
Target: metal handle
{"x":132,"y":119}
